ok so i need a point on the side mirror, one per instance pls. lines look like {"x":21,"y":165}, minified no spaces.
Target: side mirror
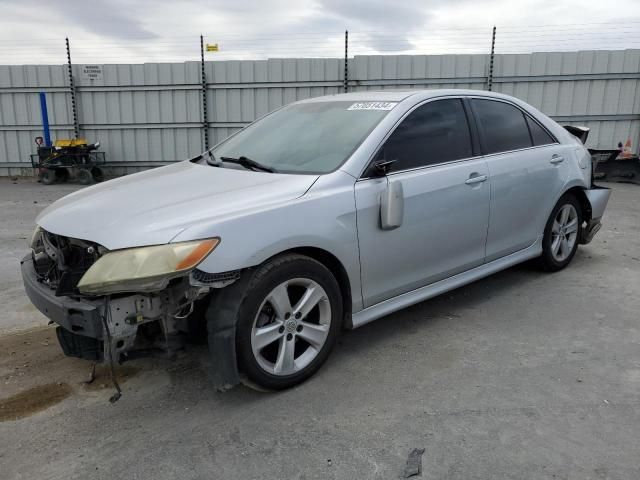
{"x":382,"y":167}
{"x":392,"y":206}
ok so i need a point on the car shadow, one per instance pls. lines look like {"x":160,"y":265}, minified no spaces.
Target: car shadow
{"x":443,"y":308}
{"x":419,"y":317}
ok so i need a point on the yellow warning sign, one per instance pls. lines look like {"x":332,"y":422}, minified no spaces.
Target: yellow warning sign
{"x":212,"y":47}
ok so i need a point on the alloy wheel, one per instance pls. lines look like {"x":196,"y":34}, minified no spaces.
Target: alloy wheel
{"x":564,"y":232}
{"x":291,"y":326}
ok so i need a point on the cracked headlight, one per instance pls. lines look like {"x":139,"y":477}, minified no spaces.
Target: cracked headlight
{"x":144,"y":268}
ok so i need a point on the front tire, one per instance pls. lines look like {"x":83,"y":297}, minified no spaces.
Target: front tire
{"x":288,"y":322}
{"x":561,"y":234}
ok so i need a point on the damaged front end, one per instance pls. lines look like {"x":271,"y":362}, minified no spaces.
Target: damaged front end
{"x":118,"y":305}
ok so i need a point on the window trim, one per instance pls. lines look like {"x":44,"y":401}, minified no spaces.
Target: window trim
{"x":473,"y":136}
{"x":483,"y":145}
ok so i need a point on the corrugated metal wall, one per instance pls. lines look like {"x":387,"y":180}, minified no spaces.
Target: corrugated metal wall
{"x":152,"y":113}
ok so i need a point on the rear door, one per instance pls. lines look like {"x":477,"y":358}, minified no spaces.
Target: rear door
{"x":527,"y":170}
{"x":446,"y":204}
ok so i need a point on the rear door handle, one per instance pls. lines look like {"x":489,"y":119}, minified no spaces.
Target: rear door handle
{"x":555,"y":159}
{"x":476,"y":179}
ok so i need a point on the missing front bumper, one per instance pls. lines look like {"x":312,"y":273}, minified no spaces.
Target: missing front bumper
{"x":122,"y":327}
{"x":80,"y":318}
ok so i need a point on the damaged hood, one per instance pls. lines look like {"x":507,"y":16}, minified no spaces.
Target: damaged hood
{"x":152,"y":207}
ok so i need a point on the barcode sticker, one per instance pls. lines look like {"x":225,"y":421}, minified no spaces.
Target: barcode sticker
{"x":372,"y":106}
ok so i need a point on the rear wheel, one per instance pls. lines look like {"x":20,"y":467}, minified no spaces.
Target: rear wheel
{"x":561,"y":234}
{"x":288,"y":322}
{"x":84,"y":177}
{"x":98,"y":174}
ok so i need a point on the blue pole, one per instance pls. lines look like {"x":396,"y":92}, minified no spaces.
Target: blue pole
{"x":45,"y":119}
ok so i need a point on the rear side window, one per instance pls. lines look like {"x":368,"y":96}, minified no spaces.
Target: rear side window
{"x":539,"y":135}
{"x":433,"y":133}
{"x":503,"y":126}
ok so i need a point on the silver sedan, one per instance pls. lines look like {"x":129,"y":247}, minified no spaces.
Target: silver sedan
{"x":325,"y":214}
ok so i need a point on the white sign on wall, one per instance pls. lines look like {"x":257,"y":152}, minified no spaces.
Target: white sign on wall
{"x":92,"y":72}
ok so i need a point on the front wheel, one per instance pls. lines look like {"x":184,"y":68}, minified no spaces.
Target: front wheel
{"x":47,"y":176}
{"x":288,"y":322}
{"x":561,"y":234}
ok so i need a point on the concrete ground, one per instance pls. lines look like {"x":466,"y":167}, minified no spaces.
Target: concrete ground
{"x":523,"y":375}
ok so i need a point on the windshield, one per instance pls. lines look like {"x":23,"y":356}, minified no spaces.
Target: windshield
{"x":314,"y":137}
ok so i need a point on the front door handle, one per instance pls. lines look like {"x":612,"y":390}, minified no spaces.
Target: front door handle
{"x":555,"y":159}
{"x":476,"y":179}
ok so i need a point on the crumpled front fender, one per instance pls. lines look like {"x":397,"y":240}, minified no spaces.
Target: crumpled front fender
{"x":221,"y":317}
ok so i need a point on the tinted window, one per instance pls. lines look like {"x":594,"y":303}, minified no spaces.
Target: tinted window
{"x":539,"y":135}
{"x":503,"y":126}
{"x":433,"y":133}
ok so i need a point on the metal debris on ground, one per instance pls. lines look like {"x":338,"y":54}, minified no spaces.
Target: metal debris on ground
{"x":92,"y":375}
{"x":414,"y":463}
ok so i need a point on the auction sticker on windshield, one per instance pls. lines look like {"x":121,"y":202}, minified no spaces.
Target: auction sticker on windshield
{"x":372,"y":106}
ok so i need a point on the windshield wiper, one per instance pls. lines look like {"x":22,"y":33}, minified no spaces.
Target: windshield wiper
{"x":248,"y":163}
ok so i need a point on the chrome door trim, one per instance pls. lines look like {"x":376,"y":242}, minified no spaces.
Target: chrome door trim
{"x":433,"y":165}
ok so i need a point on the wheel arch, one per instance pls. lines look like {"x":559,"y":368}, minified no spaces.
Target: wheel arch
{"x":222,"y":313}
{"x":337,"y":269}
{"x":585,"y":205}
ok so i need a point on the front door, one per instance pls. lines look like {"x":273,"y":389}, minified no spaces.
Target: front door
{"x":445,"y":191}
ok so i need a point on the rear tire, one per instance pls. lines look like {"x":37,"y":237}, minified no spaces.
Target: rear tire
{"x":561,"y":234}
{"x":288,"y":321}
{"x":98,"y":174}
{"x":84,"y":177}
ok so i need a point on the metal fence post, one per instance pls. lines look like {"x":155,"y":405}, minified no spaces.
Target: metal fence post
{"x":72,"y":90}
{"x":205,"y":123}
{"x":491,"y":58}
{"x":346,"y":61}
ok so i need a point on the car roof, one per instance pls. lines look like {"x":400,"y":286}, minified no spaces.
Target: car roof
{"x":400,"y":95}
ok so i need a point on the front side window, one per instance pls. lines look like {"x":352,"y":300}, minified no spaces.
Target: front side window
{"x":314,"y":137}
{"x":503,"y":126}
{"x":433,"y":133}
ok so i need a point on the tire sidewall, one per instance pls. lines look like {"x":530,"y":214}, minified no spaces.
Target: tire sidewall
{"x":549,"y":262}
{"x":268,"y":277}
